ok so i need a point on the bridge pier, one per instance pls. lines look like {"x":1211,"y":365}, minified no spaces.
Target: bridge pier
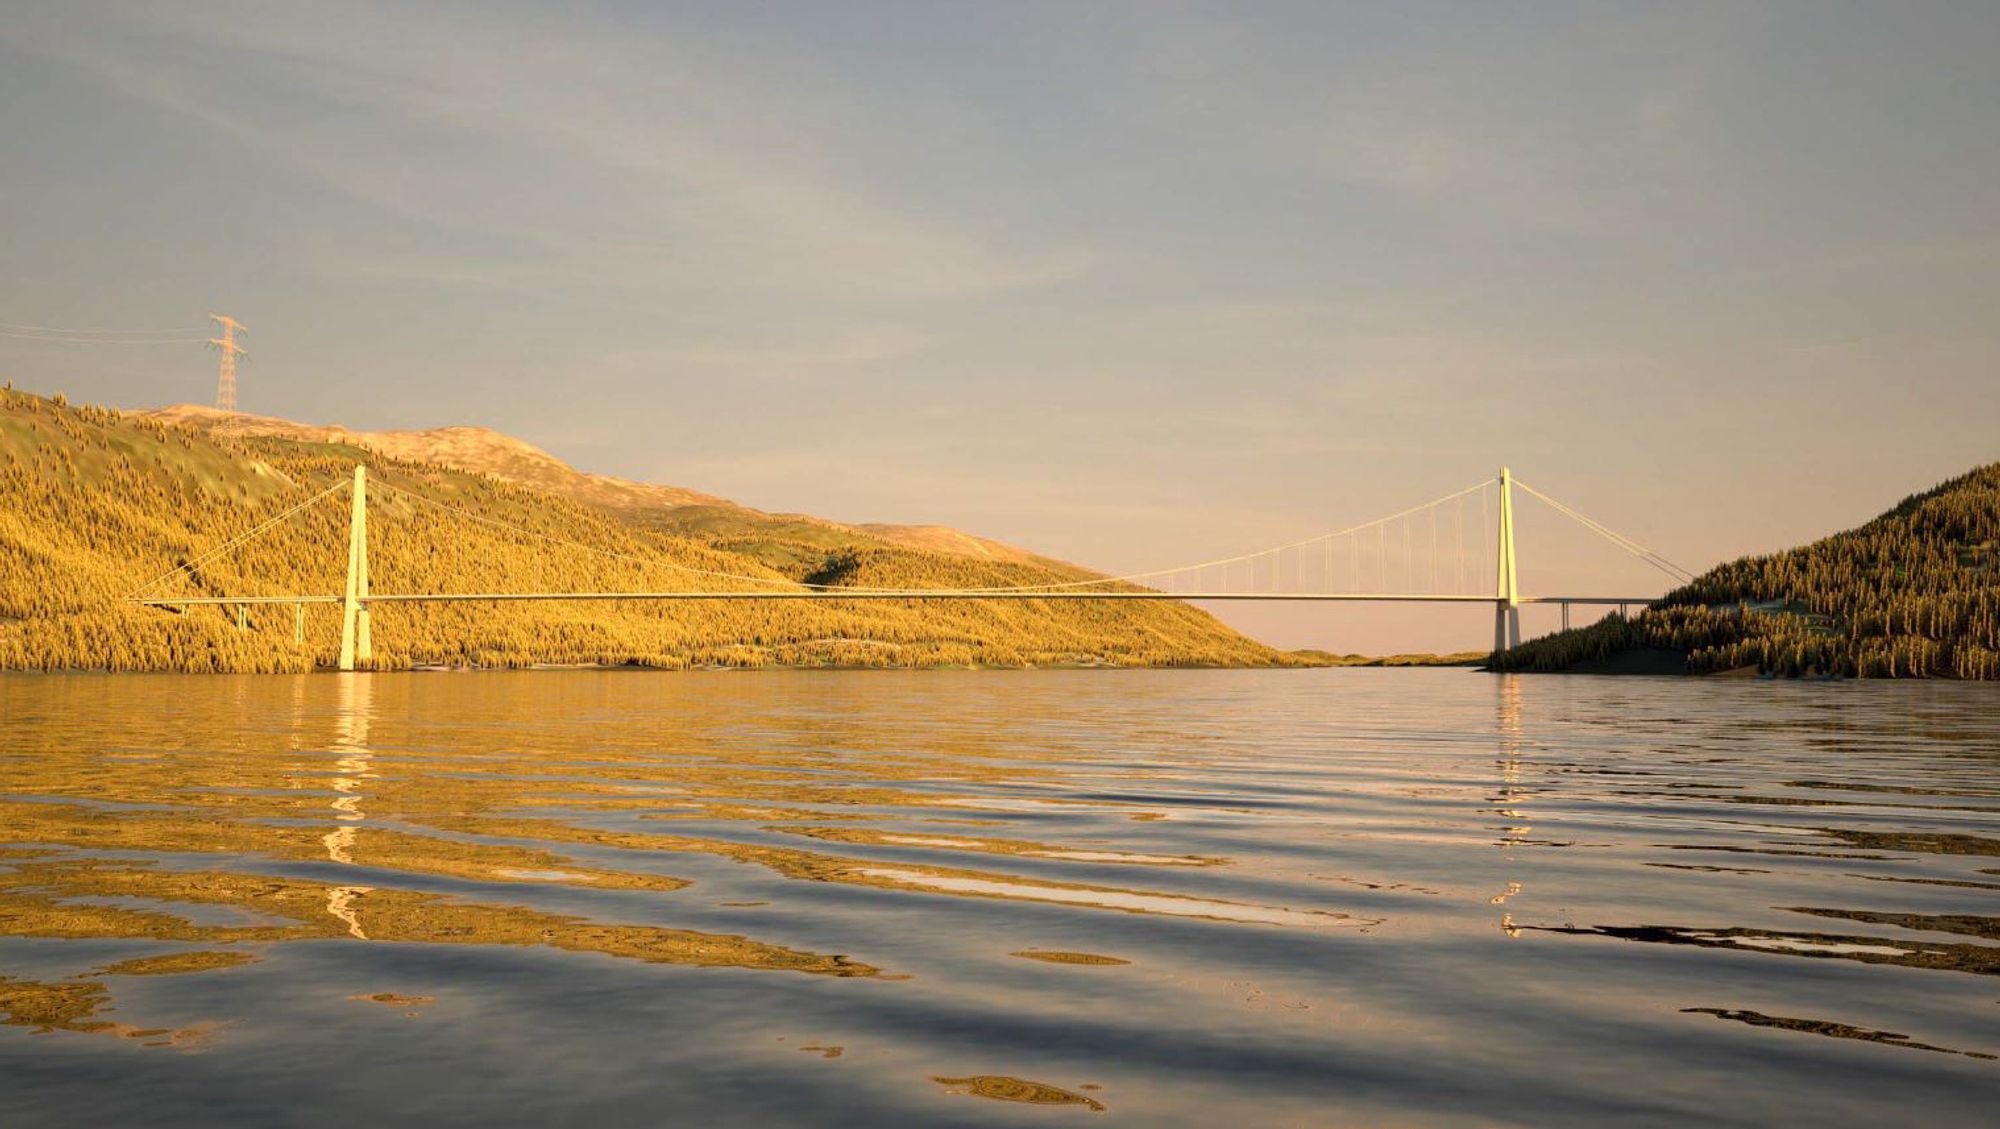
{"x":1506,"y":626}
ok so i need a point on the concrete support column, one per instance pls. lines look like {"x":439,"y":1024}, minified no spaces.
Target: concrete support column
{"x":353,"y":609}
{"x":1506,"y":585}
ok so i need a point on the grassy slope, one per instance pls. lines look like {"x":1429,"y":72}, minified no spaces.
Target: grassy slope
{"x":1421,"y":658}
{"x":94,"y":504}
{"x":1913,"y":593}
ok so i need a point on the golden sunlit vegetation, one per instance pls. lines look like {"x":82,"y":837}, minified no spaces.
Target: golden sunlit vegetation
{"x":96,"y":504}
{"x":789,"y":542}
{"x":1422,"y":658}
{"x":1913,"y":594}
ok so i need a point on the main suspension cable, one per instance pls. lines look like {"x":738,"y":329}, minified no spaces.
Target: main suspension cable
{"x":1619,"y":539}
{"x":240,"y":538}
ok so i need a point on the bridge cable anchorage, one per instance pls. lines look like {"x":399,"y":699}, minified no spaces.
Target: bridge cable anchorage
{"x":1619,"y":539}
{"x":146,"y":590}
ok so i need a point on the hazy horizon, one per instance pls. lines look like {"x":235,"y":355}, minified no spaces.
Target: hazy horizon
{"x":1128,"y":285}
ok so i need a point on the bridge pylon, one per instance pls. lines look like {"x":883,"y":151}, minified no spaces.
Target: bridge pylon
{"x":357,"y":640}
{"x":1507,"y":585}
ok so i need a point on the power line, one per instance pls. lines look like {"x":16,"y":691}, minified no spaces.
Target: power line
{"x":178,"y":331}
{"x":8,"y":331}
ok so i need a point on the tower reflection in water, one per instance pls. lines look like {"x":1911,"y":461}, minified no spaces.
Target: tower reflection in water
{"x":1511,"y":798}
{"x":354,"y":703}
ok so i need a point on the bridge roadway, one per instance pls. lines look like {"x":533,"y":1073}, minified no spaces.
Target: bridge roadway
{"x":356,"y":645}
{"x":884,"y":594}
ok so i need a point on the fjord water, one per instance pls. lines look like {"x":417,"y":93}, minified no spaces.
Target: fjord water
{"x":1359,"y":897}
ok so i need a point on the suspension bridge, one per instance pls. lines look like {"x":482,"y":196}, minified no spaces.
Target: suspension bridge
{"x":1419,"y":555}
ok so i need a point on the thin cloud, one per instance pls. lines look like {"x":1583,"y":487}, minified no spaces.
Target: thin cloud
{"x":563,"y":140}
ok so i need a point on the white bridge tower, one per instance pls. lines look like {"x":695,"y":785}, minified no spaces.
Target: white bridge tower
{"x":1507,"y":586}
{"x":357,"y":641}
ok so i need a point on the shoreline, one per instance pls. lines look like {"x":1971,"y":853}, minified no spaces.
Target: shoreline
{"x":640,"y":668}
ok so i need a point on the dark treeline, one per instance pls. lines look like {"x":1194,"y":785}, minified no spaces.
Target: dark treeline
{"x":95,"y":504}
{"x":1914,"y":593}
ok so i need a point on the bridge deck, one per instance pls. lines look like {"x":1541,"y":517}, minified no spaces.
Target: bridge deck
{"x":914,"y":594}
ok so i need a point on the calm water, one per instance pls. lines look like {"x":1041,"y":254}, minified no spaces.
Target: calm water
{"x":1248,"y":898}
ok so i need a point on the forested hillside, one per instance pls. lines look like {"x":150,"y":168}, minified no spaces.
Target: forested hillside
{"x":1914,"y":593}
{"x":792,"y":542}
{"x":95,"y":505}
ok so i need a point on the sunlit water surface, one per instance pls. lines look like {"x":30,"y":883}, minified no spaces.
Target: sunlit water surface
{"x":1146,"y":898}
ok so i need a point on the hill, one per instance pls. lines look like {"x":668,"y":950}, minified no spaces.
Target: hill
{"x":788,"y":541}
{"x":1914,"y":593}
{"x":95,"y":504}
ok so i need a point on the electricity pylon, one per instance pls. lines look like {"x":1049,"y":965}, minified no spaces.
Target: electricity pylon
{"x":225,"y":386}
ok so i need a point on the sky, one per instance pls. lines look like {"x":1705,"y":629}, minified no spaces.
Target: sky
{"x":1128,"y":284}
